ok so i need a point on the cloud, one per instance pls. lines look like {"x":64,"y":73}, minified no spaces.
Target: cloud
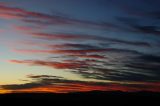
{"x":43,"y":19}
{"x":150,"y":58}
{"x":88,"y":64}
{"x":60,"y":36}
{"x":75,"y":52}
{"x":37,"y":34}
{"x":109,"y":64}
{"x":147,"y":64}
{"x":62,"y":51}
{"x":46,"y":83}
{"x":89,"y":60}
{"x":77,"y":37}
{"x":134,"y":25}
{"x":139,"y":18}
{"x":57,"y":65}
{"x":74,"y":45}
{"x":89,"y":56}
{"x":147,"y":29}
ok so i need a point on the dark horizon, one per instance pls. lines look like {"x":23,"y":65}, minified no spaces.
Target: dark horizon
{"x":85,"y":98}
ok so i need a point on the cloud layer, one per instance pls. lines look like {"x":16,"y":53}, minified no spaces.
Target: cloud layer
{"x":127,"y":61}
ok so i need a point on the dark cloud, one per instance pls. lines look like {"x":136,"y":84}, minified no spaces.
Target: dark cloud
{"x":147,"y":29}
{"x":89,"y":56}
{"x":77,"y":37}
{"x":45,"y":83}
{"x":74,"y":45}
{"x":21,"y":86}
{"x":91,"y":60}
{"x":148,"y":65}
{"x":43,"y":76}
{"x":51,"y":82}
{"x":136,"y":25}
{"x":150,"y":58}
{"x":91,"y":65}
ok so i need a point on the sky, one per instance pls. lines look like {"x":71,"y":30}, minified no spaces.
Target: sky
{"x":63,"y":46}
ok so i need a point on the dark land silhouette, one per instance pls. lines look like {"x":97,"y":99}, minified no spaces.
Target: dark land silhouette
{"x":98,"y":98}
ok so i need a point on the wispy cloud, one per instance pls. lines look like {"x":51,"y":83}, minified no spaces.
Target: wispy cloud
{"x":41,"y":19}
{"x":45,"y":83}
{"x":97,"y":66}
{"x":58,"y":65}
{"x":128,"y":59}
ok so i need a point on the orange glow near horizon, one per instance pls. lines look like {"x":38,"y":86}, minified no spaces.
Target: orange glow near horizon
{"x":80,"y":87}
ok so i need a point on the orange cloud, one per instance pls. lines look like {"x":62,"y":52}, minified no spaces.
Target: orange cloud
{"x":3,"y":91}
{"x":83,"y":87}
{"x":63,"y":89}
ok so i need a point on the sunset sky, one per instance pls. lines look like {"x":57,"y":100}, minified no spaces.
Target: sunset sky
{"x":79,"y":45}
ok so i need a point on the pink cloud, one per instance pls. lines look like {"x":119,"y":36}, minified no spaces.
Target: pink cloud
{"x":57,"y":65}
{"x":61,"y":51}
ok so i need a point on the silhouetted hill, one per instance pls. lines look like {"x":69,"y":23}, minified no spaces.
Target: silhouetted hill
{"x":82,"y":98}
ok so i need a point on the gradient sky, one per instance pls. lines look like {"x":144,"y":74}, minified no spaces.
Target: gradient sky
{"x":79,"y":45}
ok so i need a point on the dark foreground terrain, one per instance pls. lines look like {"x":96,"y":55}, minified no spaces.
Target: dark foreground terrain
{"x":86,"y":99}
